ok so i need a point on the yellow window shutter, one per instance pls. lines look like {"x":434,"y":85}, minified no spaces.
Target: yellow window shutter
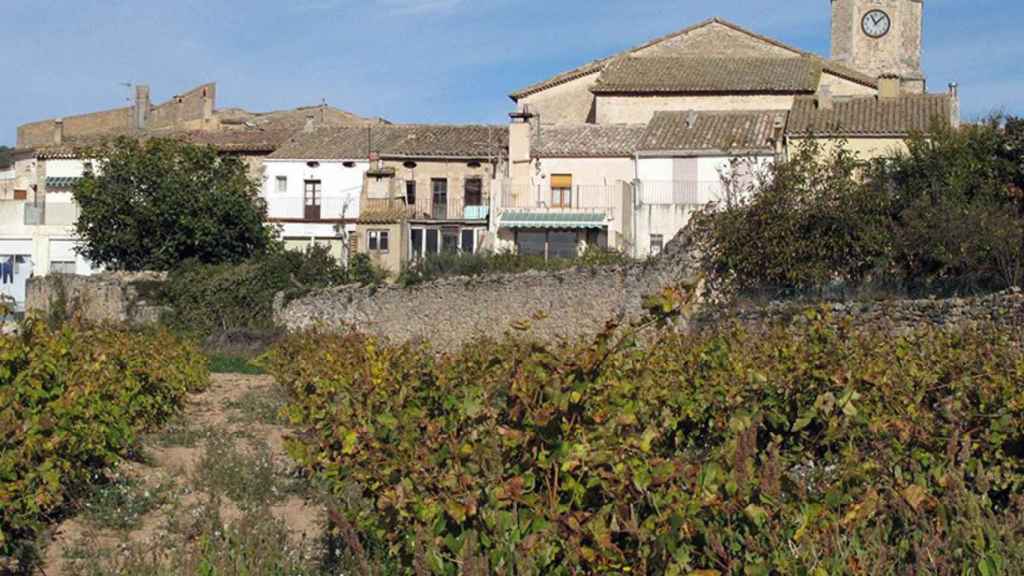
{"x":561,"y":181}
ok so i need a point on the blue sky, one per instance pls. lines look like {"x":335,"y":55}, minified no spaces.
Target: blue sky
{"x":419,"y":60}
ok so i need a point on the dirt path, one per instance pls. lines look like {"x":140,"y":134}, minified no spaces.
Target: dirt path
{"x":215,"y":484}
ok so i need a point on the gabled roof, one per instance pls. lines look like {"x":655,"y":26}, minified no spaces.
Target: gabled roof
{"x":711,"y":74}
{"x":443,"y":141}
{"x":871,"y":116}
{"x":253,"y":141}
{"x":397,"y":141}
{"x":587,"y":141}
{"x":596,"y":66}
{"x":349,"y":143}
{"x":712,"y":132}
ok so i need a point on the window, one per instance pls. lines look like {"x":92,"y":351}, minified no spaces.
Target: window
{"x":62,"y":267}
{"x":433,"y":241}
{"x":410,"y":192}
{"x":468,"y":241}
{"x":312,"y":199}
{"x":450,"y":240}
{"x":377,"y":240}
{"x":561,"y":190}
{"x":282,"y":184}
{"x":657,"y":243}
{"x":439,"y":186}
{"x":562,"y":244}
{"x":416,"y":243}
{"x":474,"y":192}
{"x":531,"y":242}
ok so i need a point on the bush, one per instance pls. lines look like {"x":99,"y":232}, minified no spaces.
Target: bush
{"x":225,"y":298}
{"x":809,"y":449}
{"x":444,"y":265}
{"x":72,"y":403}
{"x":151,"y":205}
{"x":947,"y":216}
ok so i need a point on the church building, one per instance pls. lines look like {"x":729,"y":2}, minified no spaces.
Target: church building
{"x":679,"y":110}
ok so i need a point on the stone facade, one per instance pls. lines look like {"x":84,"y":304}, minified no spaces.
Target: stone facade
{"x":120,"y":298}
{"x":631,"y":109}
{"x":189,"y":111}
{"x":1004,"y":308}
{"x":455,"y":311}
{"x":897,"y":53}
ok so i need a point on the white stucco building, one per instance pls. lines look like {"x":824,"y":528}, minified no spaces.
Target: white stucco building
{"x":312,"y":186}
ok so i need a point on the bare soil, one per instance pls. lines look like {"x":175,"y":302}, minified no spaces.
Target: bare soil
{"x":227,"y":443}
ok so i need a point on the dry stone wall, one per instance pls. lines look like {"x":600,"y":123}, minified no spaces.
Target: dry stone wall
{"x":452,"y":312}
{"x":113,"y":297}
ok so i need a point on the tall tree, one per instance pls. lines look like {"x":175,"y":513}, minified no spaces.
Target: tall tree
{"x":152,"y":205}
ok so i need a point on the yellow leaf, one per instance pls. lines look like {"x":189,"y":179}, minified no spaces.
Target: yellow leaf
{"x":915,"y":496}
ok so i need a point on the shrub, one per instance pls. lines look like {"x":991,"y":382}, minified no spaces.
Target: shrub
{"x":148,"y":206}
{"x":444,"y":265}
{"x":946,"y":216}
{"x":73,"y":401}
{"x":808,"y":449}
{"x":223,"y":298}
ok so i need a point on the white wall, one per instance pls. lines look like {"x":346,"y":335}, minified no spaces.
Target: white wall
{"x":340,"y":187}
{"x":66,"y":168}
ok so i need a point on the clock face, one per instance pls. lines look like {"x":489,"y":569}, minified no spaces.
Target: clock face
{"x":876,"y":23}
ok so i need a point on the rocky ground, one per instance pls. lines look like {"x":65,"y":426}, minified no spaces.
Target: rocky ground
{"x":213,"y":493}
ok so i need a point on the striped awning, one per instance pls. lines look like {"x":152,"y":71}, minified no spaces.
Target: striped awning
{"x":57,"y":182}
{"x":553,"y":220}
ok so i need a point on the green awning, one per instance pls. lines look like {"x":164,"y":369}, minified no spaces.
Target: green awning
{"x":56,"y":182}
{"x":553,"y":220}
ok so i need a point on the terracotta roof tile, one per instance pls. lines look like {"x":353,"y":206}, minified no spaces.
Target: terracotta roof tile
{"x":587,"y":141}
{"x":697,"y":74}
{"x":698,"y":132}
{"x":596,"y":66}
{"x":397,"y":141}
{"x":871,"y":116}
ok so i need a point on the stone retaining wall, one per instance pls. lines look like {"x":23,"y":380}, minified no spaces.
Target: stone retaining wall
{"x":1003,"y":308}
{"x":454,"y":311}
{"x":113,"y":297}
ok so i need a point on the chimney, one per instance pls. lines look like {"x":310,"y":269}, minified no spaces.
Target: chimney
{"x":208,"y":103}
{"x":310,"y":123}
{"x":520,"y":135}
{"x":691,"y":119}
{"x":889,"y":86}
{"x":142,"y":106}
{"x":779,"y":131}
{"x":825,"y":99}
{"x":954,"y":108}
{"x":58,"y":131}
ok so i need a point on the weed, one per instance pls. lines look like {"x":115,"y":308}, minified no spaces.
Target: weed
{"x":262,"y":405}
{"x":225,"y":364}
{"x":247,"y":477}
{"x":121,"y":504}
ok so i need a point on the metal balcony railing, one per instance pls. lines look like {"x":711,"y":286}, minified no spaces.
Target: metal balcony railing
{"x":678,"y":192}
{"x":441,"y":208}
{"x":581,"y":198}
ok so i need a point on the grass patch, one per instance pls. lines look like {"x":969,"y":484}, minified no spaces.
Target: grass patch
{"x":262,"y":405}
{"x":246,"y":476}
{"x":225,"y":364}
{"x":121,"y":504}
{"x":178,"y":432}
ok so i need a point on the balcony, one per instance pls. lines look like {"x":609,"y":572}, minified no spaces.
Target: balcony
{"x":593,"y":199}
{"x":447,"y":207}
{"x":293,"y":207}
{"x":679,"y":192}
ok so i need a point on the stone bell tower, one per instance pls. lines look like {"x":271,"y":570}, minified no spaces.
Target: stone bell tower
{"x":881,"y":38}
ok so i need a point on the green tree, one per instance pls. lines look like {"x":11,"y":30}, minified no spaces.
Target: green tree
{"x":5,"y":157}
{"x":808,"y":223}
{"x":151,"y":205}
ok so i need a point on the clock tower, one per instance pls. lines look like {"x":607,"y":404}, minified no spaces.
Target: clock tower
{"x":881,"y":38}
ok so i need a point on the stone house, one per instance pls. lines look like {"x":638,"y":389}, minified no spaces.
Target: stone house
{"x":869,"y":96}
{"x":428,"y":190}
{"x":38,"y":213}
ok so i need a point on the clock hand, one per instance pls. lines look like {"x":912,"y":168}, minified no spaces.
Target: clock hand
{"x":876,"y":19}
